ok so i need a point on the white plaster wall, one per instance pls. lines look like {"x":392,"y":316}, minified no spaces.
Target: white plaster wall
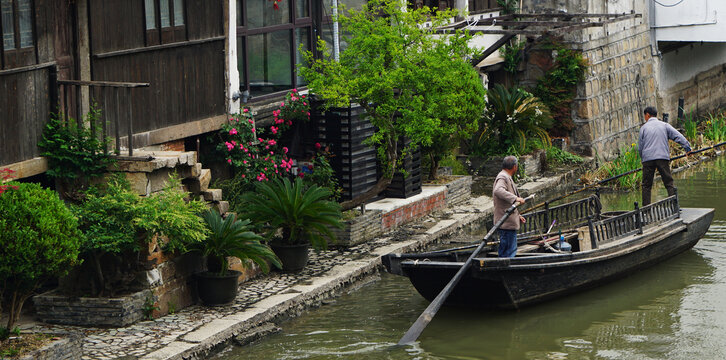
{"x":690,"y":20}
{"x":687,"y":62}
{"x":233,"y":106}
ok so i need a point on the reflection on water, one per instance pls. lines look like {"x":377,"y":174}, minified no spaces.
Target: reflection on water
{"x":675,"y":310}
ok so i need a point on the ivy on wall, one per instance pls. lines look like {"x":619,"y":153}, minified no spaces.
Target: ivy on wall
{"x":557,"y":87}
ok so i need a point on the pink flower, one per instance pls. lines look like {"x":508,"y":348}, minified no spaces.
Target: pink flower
{"x":273,"y":129}
{"x":253,"y":129}
{"x":244,"y":162}
{"x":285,"y":149}
{"x":245,"y":110}
{"x":229,"y":161}
{"x":275,"y":166}
{"x":302,"y":96}
{"x":301,"y":175}
{"x":229,"y":145}
{"x":233,"y":131}
{"x":250,"y":121}
{"x":317,"y":146}
{"x":293,"y":98}
{"x":272,"y":153}
{"x":272,"y":142}
{"x":279,"y":121}
{"x":260,"y":140}
{"x":267,"y":147}
{"x":308,"y":113}
{"x":265,"y":169}
{"x":289,"y":123}
{"x":244,"y":176}
{"x":295,"y":90}
{"x":304,"y":103}
{"x":283,"y":104}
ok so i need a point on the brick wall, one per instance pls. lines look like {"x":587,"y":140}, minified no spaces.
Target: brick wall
{"x":413,"y":211}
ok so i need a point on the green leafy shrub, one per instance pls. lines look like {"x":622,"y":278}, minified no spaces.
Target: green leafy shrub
{"x":117,"y":224}
{"x":303,"y":215}
{"x":559,"y":156}
{"x":512,"y":56}
{"x":39,"y":240}
{"x":556,"y":89}
{"x":231,"y":237}
{"x":512,"y":116}
{"x":690,"y":126}
{"x":715,"y":128}
{"x":75,"y":154}
{"x":629,"y":159}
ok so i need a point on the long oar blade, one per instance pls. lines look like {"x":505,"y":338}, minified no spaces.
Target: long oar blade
{"x":425,"y":318}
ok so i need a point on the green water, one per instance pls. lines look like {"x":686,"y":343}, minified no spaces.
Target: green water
{"x":675,"y":310}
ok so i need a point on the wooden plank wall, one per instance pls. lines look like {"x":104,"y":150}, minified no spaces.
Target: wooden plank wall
{"x":25,"y":106}
{"x":186,"y":84}
{"x":186,"y":78}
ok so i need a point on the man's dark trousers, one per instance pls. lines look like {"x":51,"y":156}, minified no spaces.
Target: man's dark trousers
{"x":664,"y":169}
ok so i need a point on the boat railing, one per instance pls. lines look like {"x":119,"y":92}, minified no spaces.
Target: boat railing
{"x":632,"y":222}
{"x":567,"y":215}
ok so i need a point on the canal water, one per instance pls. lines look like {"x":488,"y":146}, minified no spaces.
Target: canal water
{"x":675,"y":310}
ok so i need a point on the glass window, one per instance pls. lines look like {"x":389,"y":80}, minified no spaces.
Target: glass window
{"x":25,"y":22}
{"x":6,"y":10}
{"x":302,"y":37}
{"x":164,"y":12}
{"x":240,"y":13}
{"x":150,"y":14}
{"x":269,"y":57}
{"x":261,"y":13}
{"x":302,"y":8}
{"x":178,"y":12}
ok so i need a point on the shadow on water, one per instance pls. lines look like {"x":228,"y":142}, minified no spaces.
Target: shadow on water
{"x":675,"y":310}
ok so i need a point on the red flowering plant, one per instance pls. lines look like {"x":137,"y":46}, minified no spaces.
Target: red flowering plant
{"x":5,"y":176}
{"x":296,"y":107}
{"x":255,"y":154}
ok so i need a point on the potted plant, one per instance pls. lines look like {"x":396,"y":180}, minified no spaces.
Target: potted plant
{"x":294,"y":217}
{"x":228,"y":237}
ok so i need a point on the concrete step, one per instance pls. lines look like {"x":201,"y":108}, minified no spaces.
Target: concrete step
{"x":212,"y":195}
{"x":199,"y":184}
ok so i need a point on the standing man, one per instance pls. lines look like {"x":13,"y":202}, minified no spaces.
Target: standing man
{"x":655,"y":151}
{"x":504,"y":195}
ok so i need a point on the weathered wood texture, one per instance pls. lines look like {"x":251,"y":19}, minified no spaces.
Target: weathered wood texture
{"x":186,"y":77}
{"x":24,"y":109}
{"x":186,"y":84}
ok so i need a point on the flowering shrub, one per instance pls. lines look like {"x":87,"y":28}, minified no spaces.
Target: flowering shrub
{"x":319,"y":172}
{"x":6,"y":175}
{"x":296,"y":107}
{"x":255,"y":156}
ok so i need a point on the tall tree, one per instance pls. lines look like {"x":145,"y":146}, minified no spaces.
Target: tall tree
{"x":411,"y":82}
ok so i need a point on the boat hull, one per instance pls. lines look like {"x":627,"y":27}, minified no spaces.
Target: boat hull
{"x":505,"y":283}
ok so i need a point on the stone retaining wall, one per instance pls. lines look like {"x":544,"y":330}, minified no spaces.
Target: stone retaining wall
{"x":54,"y":308}
{"x":458,"y":191}
{"x":67,"y":348}
{"x":359,"y":229}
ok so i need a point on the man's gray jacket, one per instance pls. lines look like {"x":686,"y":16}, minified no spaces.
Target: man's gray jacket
{"x":653,"y":140}
{"x":504,"y":194}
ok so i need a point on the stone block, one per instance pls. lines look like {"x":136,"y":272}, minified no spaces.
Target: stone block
{"x":221,"y":206}
{"x":212,"y":195}
{"x":159,"y":179}
{"x":201,"y":183}
{"x":54,"y":308}
{"x":139,"y":182}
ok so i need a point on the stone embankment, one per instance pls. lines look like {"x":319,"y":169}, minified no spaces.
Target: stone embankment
{"x":197,"y":331}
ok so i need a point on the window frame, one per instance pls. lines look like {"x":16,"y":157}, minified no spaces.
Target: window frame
{"x":165,"y":34}
{"x":295,"y":22}
{"x":19,"y":56}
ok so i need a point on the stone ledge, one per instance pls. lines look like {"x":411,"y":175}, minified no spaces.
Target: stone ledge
{"x":69,"y":347}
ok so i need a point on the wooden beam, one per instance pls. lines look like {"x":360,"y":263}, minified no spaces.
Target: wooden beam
{"x":103,"y":83}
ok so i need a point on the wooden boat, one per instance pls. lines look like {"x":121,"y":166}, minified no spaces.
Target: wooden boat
{"x":605,"y":246}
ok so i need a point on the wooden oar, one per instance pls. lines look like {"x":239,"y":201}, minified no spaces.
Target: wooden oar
{"x":616,"y":177}
{"x":425,"y":318}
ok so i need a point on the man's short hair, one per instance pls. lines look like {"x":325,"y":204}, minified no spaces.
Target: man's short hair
{"x":651,"y":111}
{"x":509,"y":162}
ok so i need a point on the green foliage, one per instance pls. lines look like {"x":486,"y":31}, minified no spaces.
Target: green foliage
{"x":559,"y":156}
{"x":321,"y":173}
{"x":512,"y":56}
{"x":715,"y":128}
{"x":149,"y":307}
{"x":557,"y":87}
{"x":629,"y":159}
{"x":690,"y":126}
{"x":294,"y":108}
{"x":74,"y":153}
{"x":303,"y":215}
{"x":39,"y":240}
{"x":508,"y":6}
{"x":231,"y":237}
{"x":412,"y":85}
{"x":171,"y":306}
{"x":511,"y":118}
{"x":117,"y":222}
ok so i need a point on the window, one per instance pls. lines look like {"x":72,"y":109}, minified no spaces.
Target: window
{"x":18,"y":41}
{"x":267,"y":44}
{"x":164,"y":21}
{"x":480,"y":5}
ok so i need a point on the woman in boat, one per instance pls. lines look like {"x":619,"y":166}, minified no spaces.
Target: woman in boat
{"x":504,"y":194}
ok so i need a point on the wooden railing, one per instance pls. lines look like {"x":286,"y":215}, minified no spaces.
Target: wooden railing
{"x":116,"y":95}
{"x":633,"y":222}
{"x":567,"y":216}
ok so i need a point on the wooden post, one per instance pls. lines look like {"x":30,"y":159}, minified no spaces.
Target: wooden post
{"x":130,"y":122}
{"x":638,"y":219}
{"x":115,"y":119}
{"x":593,"y":234}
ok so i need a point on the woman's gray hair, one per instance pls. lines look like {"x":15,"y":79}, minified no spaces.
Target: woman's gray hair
{"x":509,"y":162}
